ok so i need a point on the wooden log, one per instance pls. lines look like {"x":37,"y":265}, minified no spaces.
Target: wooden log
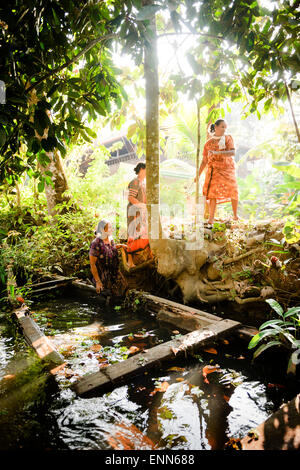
{"x":281,"y":431}
{"x":244,"y":255}
{"x":117,"y":374}
{"x":36,"y":338}
{"x":184,"y":320}
{"x":185,"y":317}
{"x":57,"y":280}
{"x":159,"y":303}
{"x":49,"y":288}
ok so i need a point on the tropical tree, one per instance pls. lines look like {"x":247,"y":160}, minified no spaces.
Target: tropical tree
{"x":58,"y":74}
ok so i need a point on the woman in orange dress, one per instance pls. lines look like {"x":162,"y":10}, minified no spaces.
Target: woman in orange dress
{"x":220,"y":184}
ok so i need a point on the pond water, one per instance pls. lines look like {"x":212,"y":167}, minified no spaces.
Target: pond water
{"x":176,"y":406}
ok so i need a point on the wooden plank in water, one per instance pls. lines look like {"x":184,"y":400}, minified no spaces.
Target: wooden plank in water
{"x":116,"y":374}
{"x":56,"y":280}
{"x":160,"y":302}
{"x":36,"y":338}
{"x":185,"y":317}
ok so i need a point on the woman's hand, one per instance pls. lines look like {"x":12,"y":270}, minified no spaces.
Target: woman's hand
{"x":99,"y":287}
{"x":121,"y":245}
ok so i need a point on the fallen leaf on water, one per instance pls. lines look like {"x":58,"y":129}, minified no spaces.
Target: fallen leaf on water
{"x":9,"y":376}
{"x":225,"y":341}
{"x":177,"y":368}
{"x":208,"y":370}
{"x":275,"y":385}
{"x":129,"y":437}
{"x":175,"y":332}
{"x":58,"y":368}
{"x":137,"y":335}
{"x":133,"y":349}
{"x":102,"y":359}
{"x":180,"y":379}
{"x":103,"y":365}
{"x":233,"y":444}
{"x":240,"y":357}
{"x":163,"y":387}
{"x":96,"y":347}
{"x":174,"y":351}
{"x":211,"y":350}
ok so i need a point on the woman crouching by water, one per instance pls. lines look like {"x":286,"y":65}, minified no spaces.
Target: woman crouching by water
{"x":104,"y":260}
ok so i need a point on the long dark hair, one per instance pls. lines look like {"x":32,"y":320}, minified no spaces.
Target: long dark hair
{"x":217,"y":123}
{"x":139,"y":167}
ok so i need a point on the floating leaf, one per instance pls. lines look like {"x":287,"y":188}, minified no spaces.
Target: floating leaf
{"x":163,"y":387}
{"x":133,"y":349}
{"x":211,"y":350}
{"x":96,"y":347}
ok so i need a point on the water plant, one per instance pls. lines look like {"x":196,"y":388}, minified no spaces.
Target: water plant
{"x":284,"y":332}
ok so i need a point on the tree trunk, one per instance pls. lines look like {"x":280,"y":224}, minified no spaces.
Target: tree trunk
{"x":55,"y":195}
{"x":198,"y":153}
{"x":152,"y":130}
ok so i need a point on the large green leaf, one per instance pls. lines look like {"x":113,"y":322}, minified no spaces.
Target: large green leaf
{"x":288,"y":167}
{"x":263,"y":347}
{"x":275,"y":306}
{"x":270,"y":323}
{"x":291,"y":311}
{"x":2,"y":136}
{"x":259,"y":336}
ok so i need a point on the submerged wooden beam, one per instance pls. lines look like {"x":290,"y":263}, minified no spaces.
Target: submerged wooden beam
{"x":183,"y":316}
{"x":117,"y":374}
{"x":56,"y":280}
{"x":36,"y":338}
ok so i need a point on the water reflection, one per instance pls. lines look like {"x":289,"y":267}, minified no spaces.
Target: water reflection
{"x":191,"y":410}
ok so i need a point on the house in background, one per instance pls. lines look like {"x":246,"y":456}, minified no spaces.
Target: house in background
{"x":122,"y":150}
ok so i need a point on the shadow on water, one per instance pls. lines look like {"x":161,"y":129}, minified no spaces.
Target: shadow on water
{"x":197,"y":403}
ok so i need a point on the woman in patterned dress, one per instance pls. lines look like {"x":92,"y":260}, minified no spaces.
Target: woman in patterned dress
{"x":104,"y":260}
{"x":136,"y":214}
{"x":220,"y":184}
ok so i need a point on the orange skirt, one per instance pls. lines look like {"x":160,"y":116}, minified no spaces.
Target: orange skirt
{"x":139,"y":244}
{"x":220,"y":180}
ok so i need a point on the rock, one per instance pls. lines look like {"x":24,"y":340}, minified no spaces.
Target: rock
{"x":255,"y":239}
{"x":213,"y":274}
{"x":267,"y":291}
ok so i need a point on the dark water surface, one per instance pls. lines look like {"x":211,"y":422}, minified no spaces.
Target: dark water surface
{"x":172,"y":407}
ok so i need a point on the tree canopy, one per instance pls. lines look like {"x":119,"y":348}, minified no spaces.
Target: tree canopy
{"x":56,"y":63}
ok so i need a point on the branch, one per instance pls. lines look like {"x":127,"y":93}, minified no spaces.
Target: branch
{"x":71,"y":61}
{"x":190,"y":34}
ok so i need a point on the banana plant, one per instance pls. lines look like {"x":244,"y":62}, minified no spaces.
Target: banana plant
{"x":284,"y":332}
